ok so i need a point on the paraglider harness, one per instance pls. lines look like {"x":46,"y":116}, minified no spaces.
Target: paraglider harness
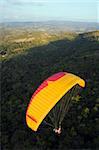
{"x":58,"y":131}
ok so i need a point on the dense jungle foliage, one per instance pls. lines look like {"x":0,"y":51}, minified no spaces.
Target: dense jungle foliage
{"x":23,"y":70}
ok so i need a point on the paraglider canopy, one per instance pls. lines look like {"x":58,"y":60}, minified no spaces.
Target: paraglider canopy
{"x":49,"y":100}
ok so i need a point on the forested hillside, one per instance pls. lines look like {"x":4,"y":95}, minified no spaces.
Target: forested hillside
{"x":21,"y":74}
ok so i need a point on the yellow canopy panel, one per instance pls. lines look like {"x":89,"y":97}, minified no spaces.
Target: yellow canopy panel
{"x":47,"y":95}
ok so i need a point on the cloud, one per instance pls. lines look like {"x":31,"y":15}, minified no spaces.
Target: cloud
{"x":27,"y":1}
{"x":22,"y":3}
{"x":48,"y":1}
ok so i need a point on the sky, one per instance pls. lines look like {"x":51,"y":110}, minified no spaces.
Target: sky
{"x":44,"y":10}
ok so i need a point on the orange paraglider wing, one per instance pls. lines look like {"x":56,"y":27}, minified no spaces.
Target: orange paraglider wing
{"x":47,"y":95}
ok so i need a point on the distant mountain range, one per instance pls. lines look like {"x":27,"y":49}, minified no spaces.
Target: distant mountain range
{"x":55,"y":26}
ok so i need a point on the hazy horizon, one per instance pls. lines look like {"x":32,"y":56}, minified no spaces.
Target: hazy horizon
{"x":25,"y":21}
